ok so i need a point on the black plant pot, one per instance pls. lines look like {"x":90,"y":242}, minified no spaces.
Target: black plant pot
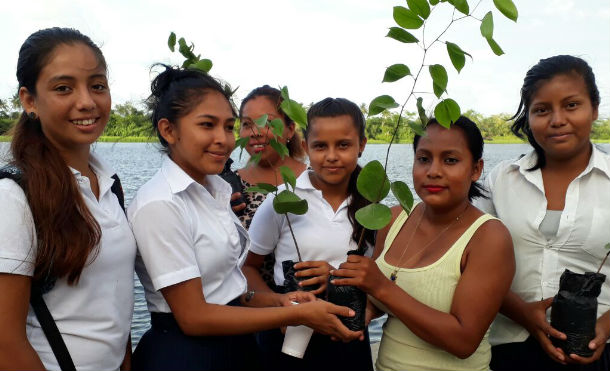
{"x":291,"y":283}
{"x":348,"y":296}
{"x":574,"y":311}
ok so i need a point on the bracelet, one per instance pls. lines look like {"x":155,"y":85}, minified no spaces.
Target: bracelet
{"x":249,"y":295}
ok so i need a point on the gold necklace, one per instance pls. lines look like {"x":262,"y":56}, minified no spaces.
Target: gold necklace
{"x":394,"y":274}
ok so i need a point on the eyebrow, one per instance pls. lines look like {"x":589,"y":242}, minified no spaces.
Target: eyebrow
{"x":72,"y":78}
{"x":212,"y":117}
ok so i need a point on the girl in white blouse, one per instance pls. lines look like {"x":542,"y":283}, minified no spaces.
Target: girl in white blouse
{"x":556,"y":203}
{"x":191,"y":245}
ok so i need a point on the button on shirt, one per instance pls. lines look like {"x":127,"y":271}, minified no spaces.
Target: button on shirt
{"x":518,"y":199}
{"x":184,"y":231}
{"x":93,"y":316}
{"x":321,"y":233}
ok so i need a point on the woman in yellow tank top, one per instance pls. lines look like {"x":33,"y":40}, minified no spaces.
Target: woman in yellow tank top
{"x":440,"y":273}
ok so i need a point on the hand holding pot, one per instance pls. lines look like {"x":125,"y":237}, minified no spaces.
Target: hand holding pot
{"x":360,"y":271}
{"x":602,"y":334}
{"x":322,"y":317}
{"x":537,"y":325}
{"x":316,"y":271}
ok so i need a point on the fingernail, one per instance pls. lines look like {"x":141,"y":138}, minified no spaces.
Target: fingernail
{"x":352,"y":313}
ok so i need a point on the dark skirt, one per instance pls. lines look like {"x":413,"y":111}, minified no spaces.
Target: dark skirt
{"x":322,"y":354}
{"x":165,"y":347}
{"x":529,"y":355}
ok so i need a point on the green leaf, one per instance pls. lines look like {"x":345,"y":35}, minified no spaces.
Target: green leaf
{"x":434,"y":2}
{"x":417,"y":128}
{"x":277,"y":126}
{"x":420,"y":7}
{"x":439,"y":79}
{"x":263,"y":188}
{"x":422,"y":112}
{"x":288,"y":176}
{"x":204,"y":65}
{"x":406,"y":18}
{"x":447,"y":112}
{"x":373,"y":183}
{"x":295,"y":111}
{"x":403,"y":194}
{"x":487,"y":25}
{"x":374,"y":216}
{"x":242,"y":142}
{"x":508,"y":8}
{"x":288,"y":202}
{"x":401,"y":35}
{"x":171,"y":42}
{"x":280,"y":148}
{"x":261,"y":121}
{"x":494,"y":46}
{"x":607,"y":246}
{"x":457,"y":56}
{"x":380,"y":104}
{"x":461,"y":5}
{"x":396,"y":72}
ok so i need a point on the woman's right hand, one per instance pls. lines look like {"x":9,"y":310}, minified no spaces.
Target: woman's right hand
{"x":321,"y":316}
{"x":239,"y":207}
{"x":537,"y":325}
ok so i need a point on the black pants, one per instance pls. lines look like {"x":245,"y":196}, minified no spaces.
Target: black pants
{"x":321,"y":354}
{"x":529,"y":355}
{"x":165,"y":347}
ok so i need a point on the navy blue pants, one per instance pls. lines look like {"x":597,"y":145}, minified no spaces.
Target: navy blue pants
{"x":529,"y":356}
{"x":165,"y":347}
{"x":321,"y":354}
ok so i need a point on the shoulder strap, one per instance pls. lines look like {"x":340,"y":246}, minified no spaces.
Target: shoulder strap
{"x":47,"y":323}
{"x":117,"y":189}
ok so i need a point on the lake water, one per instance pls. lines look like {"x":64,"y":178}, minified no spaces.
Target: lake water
{"x":135,"y":163}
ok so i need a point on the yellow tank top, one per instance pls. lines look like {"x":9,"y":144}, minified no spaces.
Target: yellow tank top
{"x":433,"y":285}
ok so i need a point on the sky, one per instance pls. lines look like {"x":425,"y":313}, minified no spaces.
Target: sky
{"x":319,"y":48}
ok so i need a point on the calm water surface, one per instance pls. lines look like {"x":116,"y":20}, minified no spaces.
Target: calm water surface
{"x":135,"y":163}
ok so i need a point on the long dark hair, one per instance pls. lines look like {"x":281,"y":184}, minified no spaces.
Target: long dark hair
{"x":295,"y":149}
{"x":175,"y":92}
{"x":66,"y":231}
{"x":333,"y":107}
{"x":474,"y":139}
{"x":543,"y":71}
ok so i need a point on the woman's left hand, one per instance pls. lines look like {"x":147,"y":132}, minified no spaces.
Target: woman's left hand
{"x":318,"y":270}
{"x":361,"y":272}
{"x":598,"y":344}
{"x":290,"y":298}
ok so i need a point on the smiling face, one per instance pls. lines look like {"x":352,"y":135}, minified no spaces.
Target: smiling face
{"x":443,"y":168}
{"x":72,"y":98}
{"x":333,"y":145}
{"x":561,"y":116}
{"x":201,"y":142}
{"x":259,"y":138}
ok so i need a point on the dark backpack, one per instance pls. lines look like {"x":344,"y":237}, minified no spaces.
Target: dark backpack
{"x":47,"y":323}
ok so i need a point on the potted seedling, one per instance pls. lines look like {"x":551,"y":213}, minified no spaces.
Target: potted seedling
{"x":373,"y":182}
{"x":574,"y":310}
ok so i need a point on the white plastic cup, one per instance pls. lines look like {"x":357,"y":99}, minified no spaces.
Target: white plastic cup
{"x":296,"y":340}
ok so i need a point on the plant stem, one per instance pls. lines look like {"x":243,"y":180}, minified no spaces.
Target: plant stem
{"x":294,"y":238}
{"x":359,"y":248}
{"x":603,"y":261}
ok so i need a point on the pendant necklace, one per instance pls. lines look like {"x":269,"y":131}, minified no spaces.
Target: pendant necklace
{"x":394,"y":274}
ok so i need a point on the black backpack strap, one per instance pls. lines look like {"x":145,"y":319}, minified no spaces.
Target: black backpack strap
{"x":117,"y":189}
{"x":47,"y":323}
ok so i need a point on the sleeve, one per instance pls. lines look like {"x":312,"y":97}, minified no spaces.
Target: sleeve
{"x":265,"y":229}
{"x":486,"y":204}
{"x":17,"y":232}
{"x":165,"y":243}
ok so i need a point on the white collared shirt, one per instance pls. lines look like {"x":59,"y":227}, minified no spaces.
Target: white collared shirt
{"x":518,"y":199}
{"x":321,"y":233}
{"x":93,"y":316}
{"x":184,"y":231}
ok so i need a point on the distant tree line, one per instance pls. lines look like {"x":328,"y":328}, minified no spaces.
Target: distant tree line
{"x":128,"y":120}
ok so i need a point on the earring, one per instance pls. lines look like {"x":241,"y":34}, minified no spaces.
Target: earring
{"x":32,"y":115}
{"x":359,"y":154}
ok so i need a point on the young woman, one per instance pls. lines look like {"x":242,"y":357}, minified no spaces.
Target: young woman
{"x":556,"y":204}
{"x":334,"y":140}
{"x":191,"y":245}
{"x":441,"y":272}
{"x":63,"y":226}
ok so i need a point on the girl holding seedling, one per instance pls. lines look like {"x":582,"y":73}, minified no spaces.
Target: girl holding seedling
{"x":65,"y":244}
{"x":441,"y":272}
{"x":191,"y":246}
{"x":555,"y":202}
{"x":334,"y":140}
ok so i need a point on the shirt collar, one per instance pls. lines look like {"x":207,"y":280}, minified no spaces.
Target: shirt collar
{"x":102,"y":170}
{"x":599,"y":160}
{"x":304,"y":182}
{"x":179,"y":180}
